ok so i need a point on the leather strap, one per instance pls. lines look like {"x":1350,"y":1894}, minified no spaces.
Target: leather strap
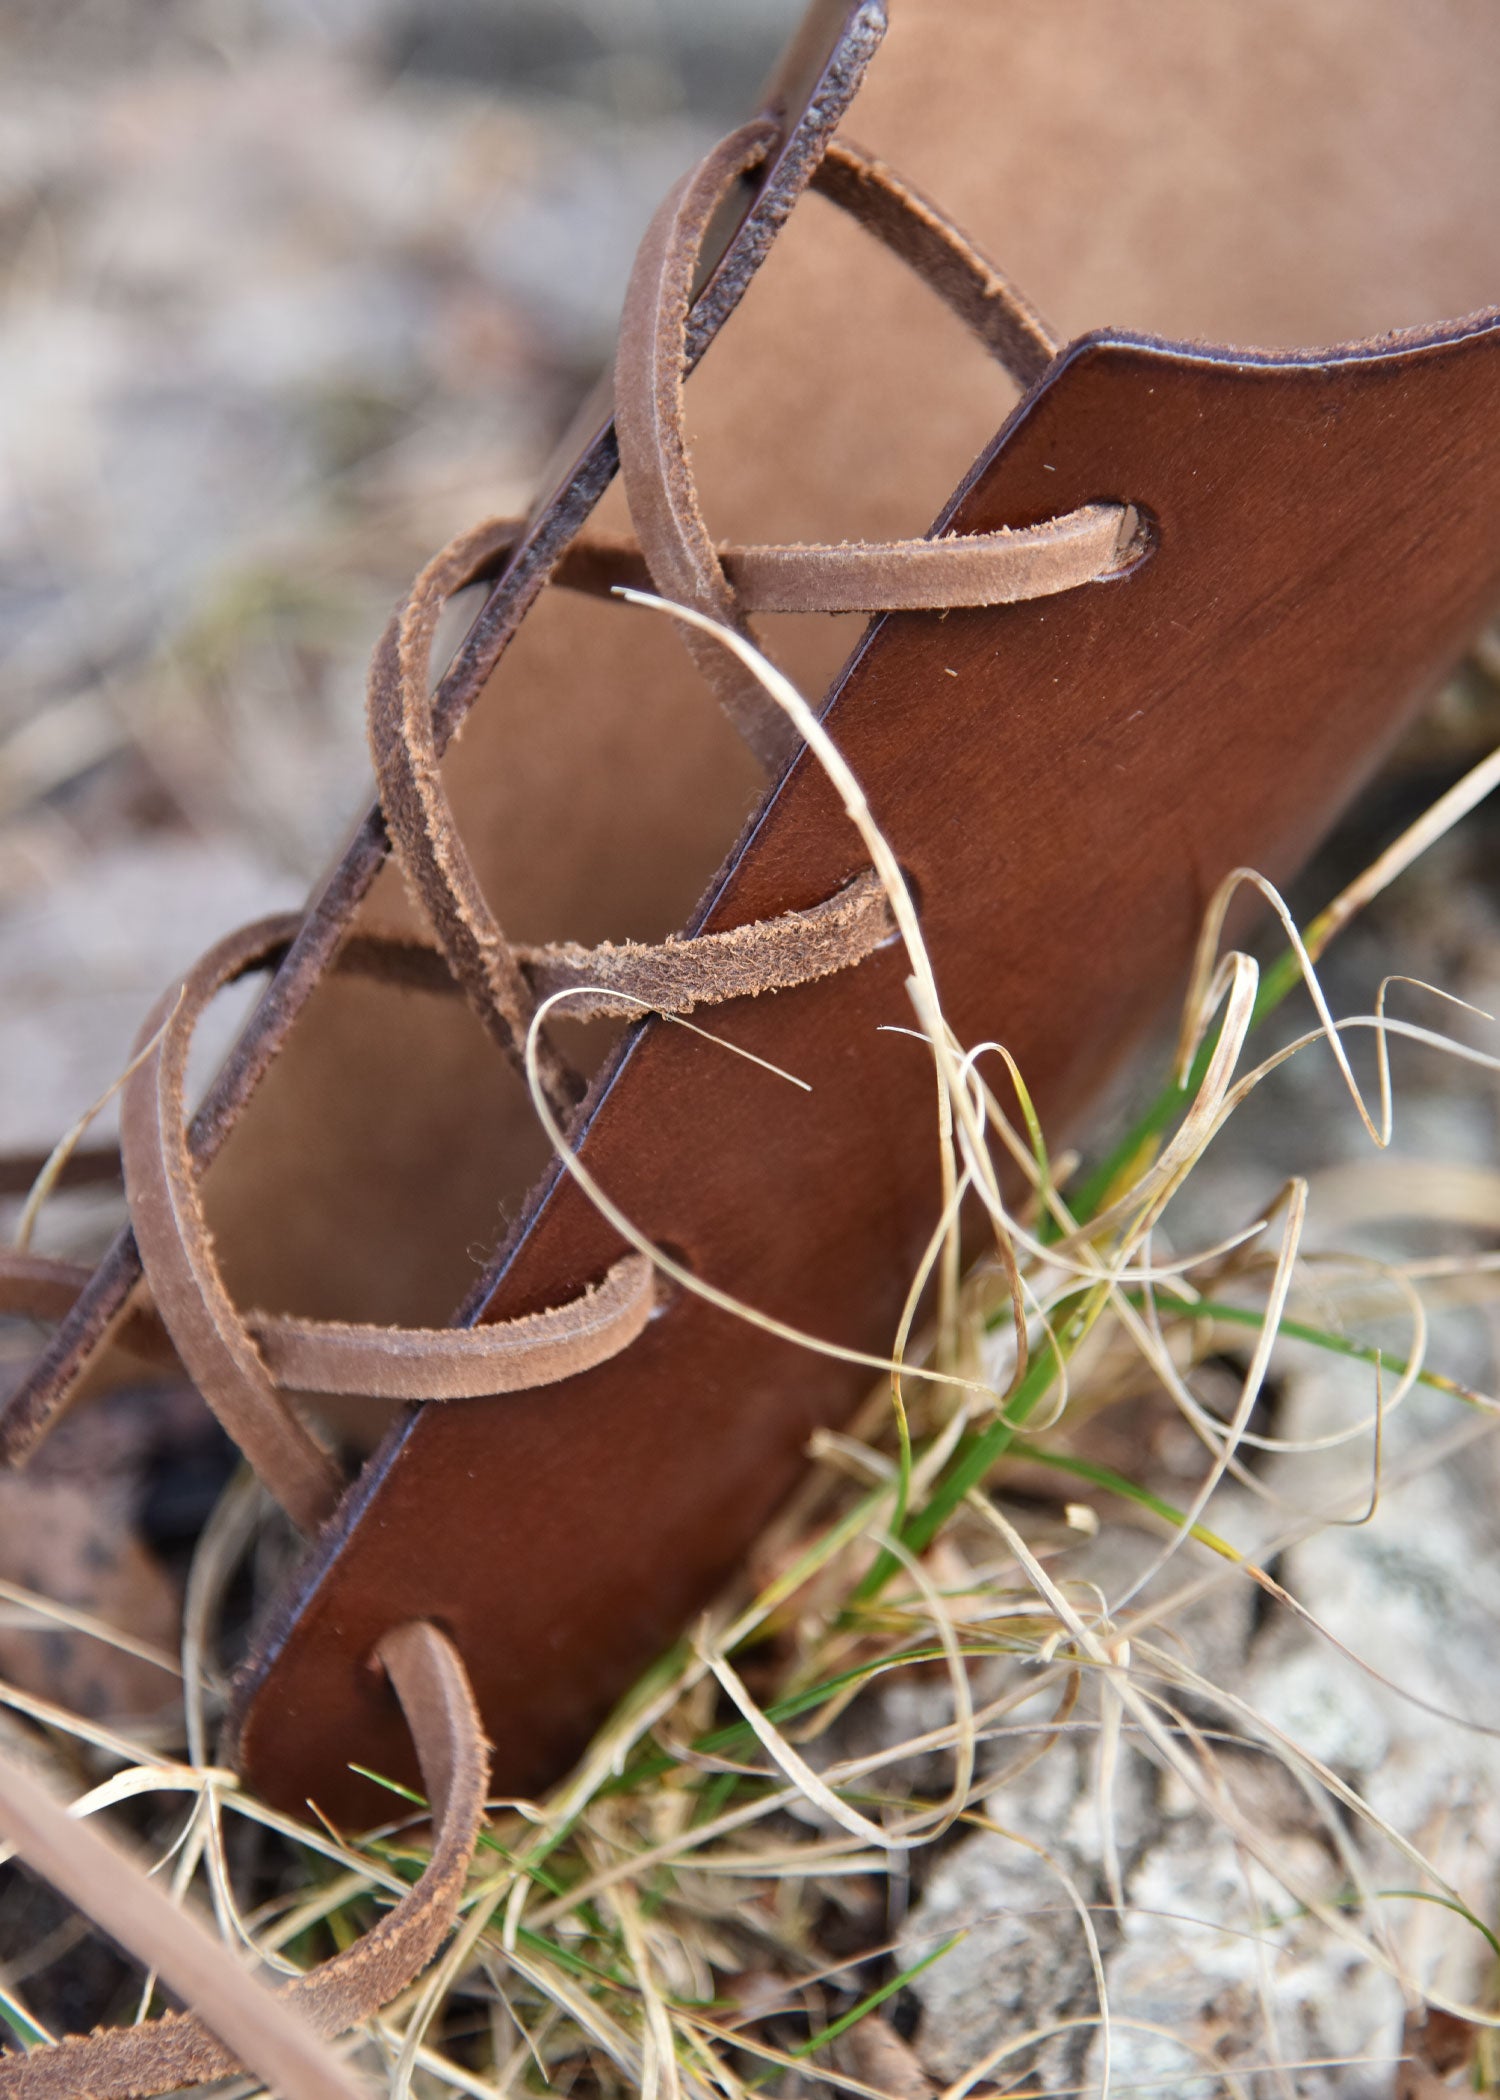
{"x":993,"y":568}
{"x":403,"y":744}
{"x":616,"y":980}
{"x":650,"y":368}
{"x":504,"y":982}
{"x":982,"y":568}
{"x":240,"y":2025}
{"x":237,"y":1372}
{"x":384,"y":1363}
{"x":166,"y":1211}
{"x":927,"y":241}
{"x":1001,"y":567}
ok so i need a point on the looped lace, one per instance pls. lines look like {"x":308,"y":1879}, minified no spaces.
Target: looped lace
{"x":239,"y":1363}
{"x":238,"y":2024}
{"x":992,"y":568}
{"x":504,"y":982}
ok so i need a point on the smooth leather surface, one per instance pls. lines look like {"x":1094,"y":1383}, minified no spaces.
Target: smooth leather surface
{"x":1328,"y":534}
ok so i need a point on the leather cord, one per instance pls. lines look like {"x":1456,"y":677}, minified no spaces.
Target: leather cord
{"x":238,"y":2024}
{"x":403,"y":744}
{"x":617,"y":979}
{"x":166,"y":1211}
{"x":1003,"y":567}
{"x":234,"y":1370}
{"x":244,"y":1362}
{"x":993,"y":568}
{"x":504,"y":982}
{"x":927,"y":241}
{"x":383,"y":1363}
{"x":650,"y":369}
{"x":614,"y":980}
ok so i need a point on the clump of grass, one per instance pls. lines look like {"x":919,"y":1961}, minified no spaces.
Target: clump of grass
{"x":711,"y":1904}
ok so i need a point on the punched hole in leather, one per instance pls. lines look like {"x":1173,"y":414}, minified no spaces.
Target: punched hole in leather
{"x":1140,"y":535}
{"x":669,"y":1291}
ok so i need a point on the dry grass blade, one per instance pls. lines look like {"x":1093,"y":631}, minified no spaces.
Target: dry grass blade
{"x":102,"y":1880}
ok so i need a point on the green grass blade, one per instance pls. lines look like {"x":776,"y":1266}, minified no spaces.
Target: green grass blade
{"x":845,"y":2021}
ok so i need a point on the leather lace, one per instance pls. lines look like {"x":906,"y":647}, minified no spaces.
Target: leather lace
{"x":240,"y":2024}
{"x":246,"y":1362}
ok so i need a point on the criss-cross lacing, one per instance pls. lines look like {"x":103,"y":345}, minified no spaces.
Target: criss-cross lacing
{"x":245,"y":1363}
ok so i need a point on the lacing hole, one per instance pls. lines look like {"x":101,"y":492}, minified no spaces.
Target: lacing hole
{"x":374,"y":1671}
{"x":1140,"y":535}
{"x":914,"y":888}
{"x":667,"y":1289}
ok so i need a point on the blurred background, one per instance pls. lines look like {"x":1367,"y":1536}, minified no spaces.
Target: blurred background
{"x":292,"y":291}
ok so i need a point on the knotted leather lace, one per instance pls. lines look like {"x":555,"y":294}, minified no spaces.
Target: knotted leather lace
{"x":245,"y":1363}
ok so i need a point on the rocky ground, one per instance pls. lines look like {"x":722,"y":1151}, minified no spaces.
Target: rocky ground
{"x":293,"y":292}
{"x":1386,"y":1681}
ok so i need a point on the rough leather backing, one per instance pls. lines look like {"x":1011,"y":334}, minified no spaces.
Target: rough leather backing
{"x":1066,"y":783}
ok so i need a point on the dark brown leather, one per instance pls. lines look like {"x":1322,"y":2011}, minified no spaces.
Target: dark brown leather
{"x":1324,"y":540}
